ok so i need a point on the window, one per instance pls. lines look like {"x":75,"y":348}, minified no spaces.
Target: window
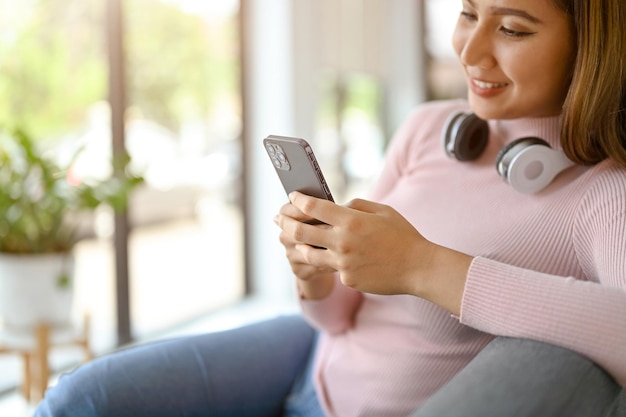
{"x":349,"y":133}
{"x":183,"y":124}
{"x":445,"y":77}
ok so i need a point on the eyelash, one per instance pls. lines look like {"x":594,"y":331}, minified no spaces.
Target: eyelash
{"x":513,"y":33}
{"x":507,"y":32}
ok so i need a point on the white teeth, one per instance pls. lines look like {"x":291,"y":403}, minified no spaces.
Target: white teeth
{"x":483,"y":84}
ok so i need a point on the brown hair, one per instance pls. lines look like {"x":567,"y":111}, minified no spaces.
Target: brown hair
{"x":594,"y":112}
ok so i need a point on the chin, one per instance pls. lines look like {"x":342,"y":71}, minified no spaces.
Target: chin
{"x":501,"y":110}
{"x":492,"y":110}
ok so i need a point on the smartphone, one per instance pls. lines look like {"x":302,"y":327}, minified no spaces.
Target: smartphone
{"x":296,"y":166}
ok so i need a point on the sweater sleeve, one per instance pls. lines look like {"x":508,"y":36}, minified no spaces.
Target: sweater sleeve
{"x":587,"y":316}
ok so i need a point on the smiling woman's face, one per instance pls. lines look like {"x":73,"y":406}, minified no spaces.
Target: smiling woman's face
{"x":517,"y":56}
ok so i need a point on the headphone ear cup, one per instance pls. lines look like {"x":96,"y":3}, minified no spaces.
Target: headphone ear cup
{"x":507,"y":154}
{"x":530,"y":164}
{"x":465,"y":136}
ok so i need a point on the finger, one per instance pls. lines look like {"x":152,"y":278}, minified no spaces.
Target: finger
{"x":299,"y":232}
{"x":318,"y":257}
{"x":317,"y":208}
{"x":292,"y":211}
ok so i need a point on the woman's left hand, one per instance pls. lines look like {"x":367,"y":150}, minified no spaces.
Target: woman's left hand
{"x":376,"y":250}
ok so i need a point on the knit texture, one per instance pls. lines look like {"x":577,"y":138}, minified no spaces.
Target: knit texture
{"x":550,"y":266}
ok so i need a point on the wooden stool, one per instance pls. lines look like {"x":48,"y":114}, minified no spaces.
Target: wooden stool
{"x":34,"y":347}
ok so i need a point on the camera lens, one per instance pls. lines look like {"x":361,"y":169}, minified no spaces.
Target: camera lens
{"x":270,"y":148}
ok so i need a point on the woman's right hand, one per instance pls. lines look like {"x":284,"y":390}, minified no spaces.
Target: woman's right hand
{"x":313,"y":282}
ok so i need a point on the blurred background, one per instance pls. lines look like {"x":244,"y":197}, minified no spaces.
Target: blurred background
{"x":199,"y":84}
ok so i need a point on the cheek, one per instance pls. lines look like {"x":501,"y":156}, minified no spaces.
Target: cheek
{"x":557,"y":71}
{"x":561,"y":85}
{"x":458,"y":40}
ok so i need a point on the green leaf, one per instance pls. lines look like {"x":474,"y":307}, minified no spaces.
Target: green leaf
{"x":37,"y":202}
{"x":63,"y":281}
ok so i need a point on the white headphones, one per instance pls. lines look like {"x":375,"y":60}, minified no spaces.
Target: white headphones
{"x":529,"y":164}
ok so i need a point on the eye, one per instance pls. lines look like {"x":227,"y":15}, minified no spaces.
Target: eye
{"x":514,"y":33}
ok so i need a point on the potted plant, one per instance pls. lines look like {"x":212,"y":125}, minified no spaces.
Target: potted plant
{"x":39,"y":208}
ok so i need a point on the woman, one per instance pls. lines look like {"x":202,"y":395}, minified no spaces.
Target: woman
{"x":451,"y":292}
{"x":458,"y":240}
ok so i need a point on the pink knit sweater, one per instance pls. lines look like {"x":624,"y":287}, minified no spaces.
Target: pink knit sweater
{"x":549,"y":266}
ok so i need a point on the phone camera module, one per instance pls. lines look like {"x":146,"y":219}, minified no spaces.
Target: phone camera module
{"x":279,"y":159}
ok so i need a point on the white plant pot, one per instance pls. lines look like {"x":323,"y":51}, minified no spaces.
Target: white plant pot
{"x":36,"y":289}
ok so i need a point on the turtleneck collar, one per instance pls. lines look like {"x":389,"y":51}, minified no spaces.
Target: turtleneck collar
{"x":546,"y":128}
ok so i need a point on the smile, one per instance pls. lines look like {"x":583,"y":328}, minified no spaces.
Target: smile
{"x":487,"y":85}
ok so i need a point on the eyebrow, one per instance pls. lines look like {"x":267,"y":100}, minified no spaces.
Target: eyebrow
{"x":507,"y":11}
{"x":515,"y":12}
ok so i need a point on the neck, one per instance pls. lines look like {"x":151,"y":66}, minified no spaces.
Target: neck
{"x":546,"y":128}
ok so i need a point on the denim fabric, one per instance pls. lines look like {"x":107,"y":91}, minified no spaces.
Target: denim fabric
{"x":303,"y":401}
{"x":245,"y":372}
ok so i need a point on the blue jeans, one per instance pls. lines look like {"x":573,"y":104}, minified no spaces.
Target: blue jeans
{"x":260,"y":370}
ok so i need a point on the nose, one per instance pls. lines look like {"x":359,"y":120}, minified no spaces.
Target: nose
{"x":474,"y":48}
